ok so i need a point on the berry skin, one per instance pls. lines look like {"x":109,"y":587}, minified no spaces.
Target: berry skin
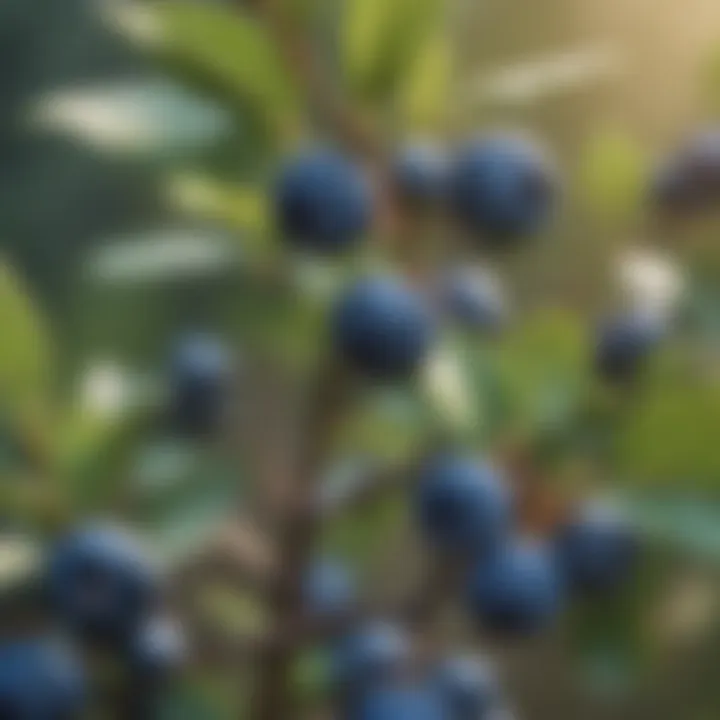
{"x":597,"y":550}
{"x":40,"y":681}
{"x":690,"y":180}
{"x":100,"y":584}
{"x":474,"y":299}
{"x":374,"y":653}
{"x":323,"y":203}
{"x":200,"y":381}
{"x":518,"y":590}
{"x":400,"y":703}
{"x":625,"y":344}
{"x":419,"y":175}
{"x":502,"y":188}
{"x":382,"y":328}
{"x":468,"y":686}
{"x":329,"y":589}
{"x":463,"y":505}
{"x":157,"y":650}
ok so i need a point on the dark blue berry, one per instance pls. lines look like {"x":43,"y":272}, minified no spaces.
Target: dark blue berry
{"x":469,"y":687}
{"x":517,"y":590}
{"x":329,"y":588}
{"x":157,"y":650}
{"x":474,"y":300}
{"x":624,"y":345}
{"x":374,"y":652}
{"x":323,"y":203}
{"x":420,"y":174}
{"x":100,"y":583}
{"x":502,"y":188}
{"x":40,"y":681}
{"x":382,"y":328}
{"x":400,"y":703}
{"x":200,"y":385}
{"x":597,"y":550}
{"x":464,"y":505}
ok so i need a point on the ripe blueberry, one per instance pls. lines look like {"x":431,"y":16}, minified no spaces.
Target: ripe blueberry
{"x":40,"y":681}
{"x":502,"y":188}
{"x":323,"y":203}
{"x":474,"y":299}
{"x":597,"y":550}
{"x":100,"y":583}
{"x":463,"y":504}
{"x":200,"y":385}
{"x":400,"y":703}
{"x":382,"y":328}
{"x":157,"y":650}
{"x":468,"y":686}
{"x":517,"y":590}
{"x":329,"y":588}
{"x":419,"y":175}
{"x":373,"y":653}
{"x":624,"y":344}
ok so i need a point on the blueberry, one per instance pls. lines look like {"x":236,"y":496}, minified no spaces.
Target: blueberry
{"x":463,"y":505}
{"x":329,"y":588}
{"x":502,"y":188}
{"x":468,"y":686}
{"x":200,"y":385}
{"x":625,"y":343}
{"x":157,"y":650}
{"x":40,"y":681}
{"x":100,"y":583}
{"x":407,"y":702}
{"x":419,"y":175}
{"x":382,"y":328}
{"x":373,"y":653}
{"x":474,"y":299}
{"x":517,"y":590}
{"x":690,"y":179}
{"x":597,"y":550}
{"x":323,"y":203}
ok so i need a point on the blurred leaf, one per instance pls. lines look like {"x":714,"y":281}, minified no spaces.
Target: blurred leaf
{"x":25,"y":358}
{"x":93,"y":454}
{"x":679,"y":520}
{"x":541,"y":368}
{"x":381,"y":39}
{"x":138,"y":117}
{"x":613,"y":175}
{"x":241,"y":614}
{"x":221,"y":51}
{"x":241,"y":208}
{"x":311,"y":678}
{"x":161,"y":255}
{"x":425,"y":93}
{"x":669,"y":438}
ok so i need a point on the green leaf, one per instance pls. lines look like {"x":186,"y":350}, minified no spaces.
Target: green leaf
{"x":670,"y":438}
{"x":239,"y":207}
{"x":542,"y":369}
{"x":613,"y":175}
{"x":381,"y":40}
{"x":221,"y":51}
{"x":424,"y":96}
{"x":25,"y":358}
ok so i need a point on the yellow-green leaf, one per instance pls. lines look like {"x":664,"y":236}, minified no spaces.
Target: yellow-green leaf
{"x":25,"y":358}
{"x":424,"y":97}
{"x":613,"y":175}
{"x":221,"y":51}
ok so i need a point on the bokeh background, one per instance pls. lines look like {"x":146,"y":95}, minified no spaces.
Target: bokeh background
{"x":115,"y":239}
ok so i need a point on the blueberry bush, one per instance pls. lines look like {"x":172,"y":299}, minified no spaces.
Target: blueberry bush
{"x":363,"y":483}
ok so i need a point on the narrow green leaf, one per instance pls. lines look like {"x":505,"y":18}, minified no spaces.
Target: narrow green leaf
{"x":25,"y":358}
{"x":221,"y":51}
